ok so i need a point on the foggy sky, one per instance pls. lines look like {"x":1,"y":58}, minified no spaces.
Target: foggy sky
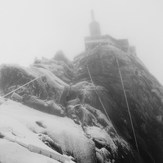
{"x":36,"y":28}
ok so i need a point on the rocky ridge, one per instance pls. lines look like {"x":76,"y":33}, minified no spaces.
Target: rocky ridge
{"x":61,"y":111}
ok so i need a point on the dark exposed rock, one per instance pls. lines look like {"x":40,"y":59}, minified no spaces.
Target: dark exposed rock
{"x":45,"y":106}
{"x":145,"y":103}
{"x":16,"y":97}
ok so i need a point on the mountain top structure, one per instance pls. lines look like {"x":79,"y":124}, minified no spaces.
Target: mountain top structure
{"x":96,"y":38}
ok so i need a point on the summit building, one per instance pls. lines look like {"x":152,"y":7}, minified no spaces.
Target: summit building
{"x":96,"y":38}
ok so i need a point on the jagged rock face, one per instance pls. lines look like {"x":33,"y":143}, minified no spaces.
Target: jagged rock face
{"x":65,"y":113}
{"x":143,"y":93}
{"x":48,"y":86}
{"x":59,"y":65}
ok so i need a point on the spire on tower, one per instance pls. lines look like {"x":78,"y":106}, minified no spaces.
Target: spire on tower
{"x":92,"y":15}
{"x":94,"y":26}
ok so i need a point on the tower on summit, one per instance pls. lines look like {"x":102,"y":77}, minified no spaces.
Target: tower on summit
{"x":96,"y":38}
{"x":94,"y":26}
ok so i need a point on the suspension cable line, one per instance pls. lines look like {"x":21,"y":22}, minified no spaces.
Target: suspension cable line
{"x":90,"y":76}
{"x":126,"y":100}
{"x":100,"y":98}
{"x":22,"y":86}
{"x":127,"y":104}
